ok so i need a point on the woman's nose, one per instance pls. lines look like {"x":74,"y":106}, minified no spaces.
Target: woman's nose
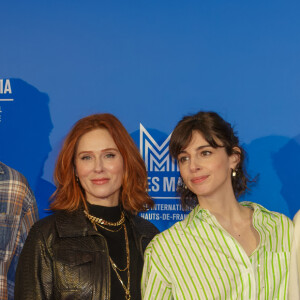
{"x":98,"y":165}
{"x":195,"y":164}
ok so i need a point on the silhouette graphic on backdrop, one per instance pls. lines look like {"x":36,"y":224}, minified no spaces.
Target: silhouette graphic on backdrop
{"x":24,"y":129}
{"x":287,"y":165}
{"x":268,"y":188}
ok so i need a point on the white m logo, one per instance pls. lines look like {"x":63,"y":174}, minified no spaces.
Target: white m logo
{"x":156,"y":156}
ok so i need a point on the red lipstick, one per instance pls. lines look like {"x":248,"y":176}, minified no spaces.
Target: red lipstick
{"x":199,"y":179}
{"x":100,"y":181}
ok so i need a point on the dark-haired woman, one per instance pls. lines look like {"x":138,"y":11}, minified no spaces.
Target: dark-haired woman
{"x":223,"y":249}
{"x":92,"y":246}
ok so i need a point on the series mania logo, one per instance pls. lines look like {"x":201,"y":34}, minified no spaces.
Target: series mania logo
{"x":163,"y":176}
{"x":163,"y":171}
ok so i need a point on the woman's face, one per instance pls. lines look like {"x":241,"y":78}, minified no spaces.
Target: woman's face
{"x":99,"y":167}
{"x":205,"y":170}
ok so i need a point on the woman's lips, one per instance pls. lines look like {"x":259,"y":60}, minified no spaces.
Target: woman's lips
{"x":199,"y":179}
{"x":100,"y":181}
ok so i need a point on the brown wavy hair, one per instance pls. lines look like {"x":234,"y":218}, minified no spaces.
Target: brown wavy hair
{"x":69,"y":195}
{"x":212,"y":127}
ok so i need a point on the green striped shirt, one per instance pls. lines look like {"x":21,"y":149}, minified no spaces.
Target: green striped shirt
{"x":198,"y":259}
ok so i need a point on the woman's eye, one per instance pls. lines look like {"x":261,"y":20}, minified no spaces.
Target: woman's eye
{"x":206,"y":153}
{"x":86,"y":157}
{"x":183,"y":159}
{"x":110,"y":155}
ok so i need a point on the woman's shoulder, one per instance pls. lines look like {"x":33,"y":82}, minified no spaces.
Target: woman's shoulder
{"x":168,"y":234}
{"x":44,"y":225}
{"x":273,"y":214}
{"x":55,"y":221}
{"x":139,"y":221}
{"x":144,"y":226}
{"x":163,"y":243}
{"x":44,"y":222}
{"x":41,"y":231}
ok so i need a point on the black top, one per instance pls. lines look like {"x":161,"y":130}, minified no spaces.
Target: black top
{"x":117,"y":251}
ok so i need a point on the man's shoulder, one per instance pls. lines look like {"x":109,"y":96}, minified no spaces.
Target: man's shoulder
{"x":16,"y":191}
{"x":9,"y":174}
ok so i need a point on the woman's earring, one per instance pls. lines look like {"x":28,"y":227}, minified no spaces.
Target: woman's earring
{"x":233,"y":173}
{"x":184,"y":186}
{"x":77,"y":179}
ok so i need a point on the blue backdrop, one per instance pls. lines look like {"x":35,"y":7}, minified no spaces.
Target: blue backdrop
{"x":150,"y":63}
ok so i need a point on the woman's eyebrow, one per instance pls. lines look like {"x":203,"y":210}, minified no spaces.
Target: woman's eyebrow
{"x":198,"y":148}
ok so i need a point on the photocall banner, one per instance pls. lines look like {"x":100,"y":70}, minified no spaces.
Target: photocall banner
{"x":25,"y":133}
{"x":26,"y":126}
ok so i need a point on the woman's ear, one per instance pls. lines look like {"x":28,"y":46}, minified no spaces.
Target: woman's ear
{"x":235,"y":157}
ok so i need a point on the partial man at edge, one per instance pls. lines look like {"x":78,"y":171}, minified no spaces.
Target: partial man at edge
{"x":18,"y":212}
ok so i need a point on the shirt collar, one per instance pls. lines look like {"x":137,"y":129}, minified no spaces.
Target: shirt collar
{"x":197,"y":213}
{"x":204,"y":214}
{"x":257,"y":207}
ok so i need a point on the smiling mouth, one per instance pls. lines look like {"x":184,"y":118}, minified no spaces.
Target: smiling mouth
{"x":199,"y":179}
{"x":100,"y":181}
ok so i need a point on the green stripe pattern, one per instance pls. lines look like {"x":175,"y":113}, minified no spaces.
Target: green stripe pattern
{"x":198,"y":259}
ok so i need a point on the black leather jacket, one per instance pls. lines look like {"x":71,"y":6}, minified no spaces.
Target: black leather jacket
{"x":65,"y":258}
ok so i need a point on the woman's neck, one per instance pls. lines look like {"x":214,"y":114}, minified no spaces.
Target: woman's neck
{"x":108,"y":213}
{"x":223,"y":205}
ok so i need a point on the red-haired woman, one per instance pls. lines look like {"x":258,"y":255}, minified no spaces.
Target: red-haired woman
{"x":92,"y":246}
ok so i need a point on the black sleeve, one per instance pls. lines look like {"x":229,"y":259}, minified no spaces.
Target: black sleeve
{"x":34,"y":274}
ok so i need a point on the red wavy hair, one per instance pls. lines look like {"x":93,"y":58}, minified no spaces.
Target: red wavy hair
{"x":70,"y":196}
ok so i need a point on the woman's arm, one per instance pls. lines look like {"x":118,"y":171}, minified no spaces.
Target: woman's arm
{"x":34,"y":276}
{"x":155,"y":284}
